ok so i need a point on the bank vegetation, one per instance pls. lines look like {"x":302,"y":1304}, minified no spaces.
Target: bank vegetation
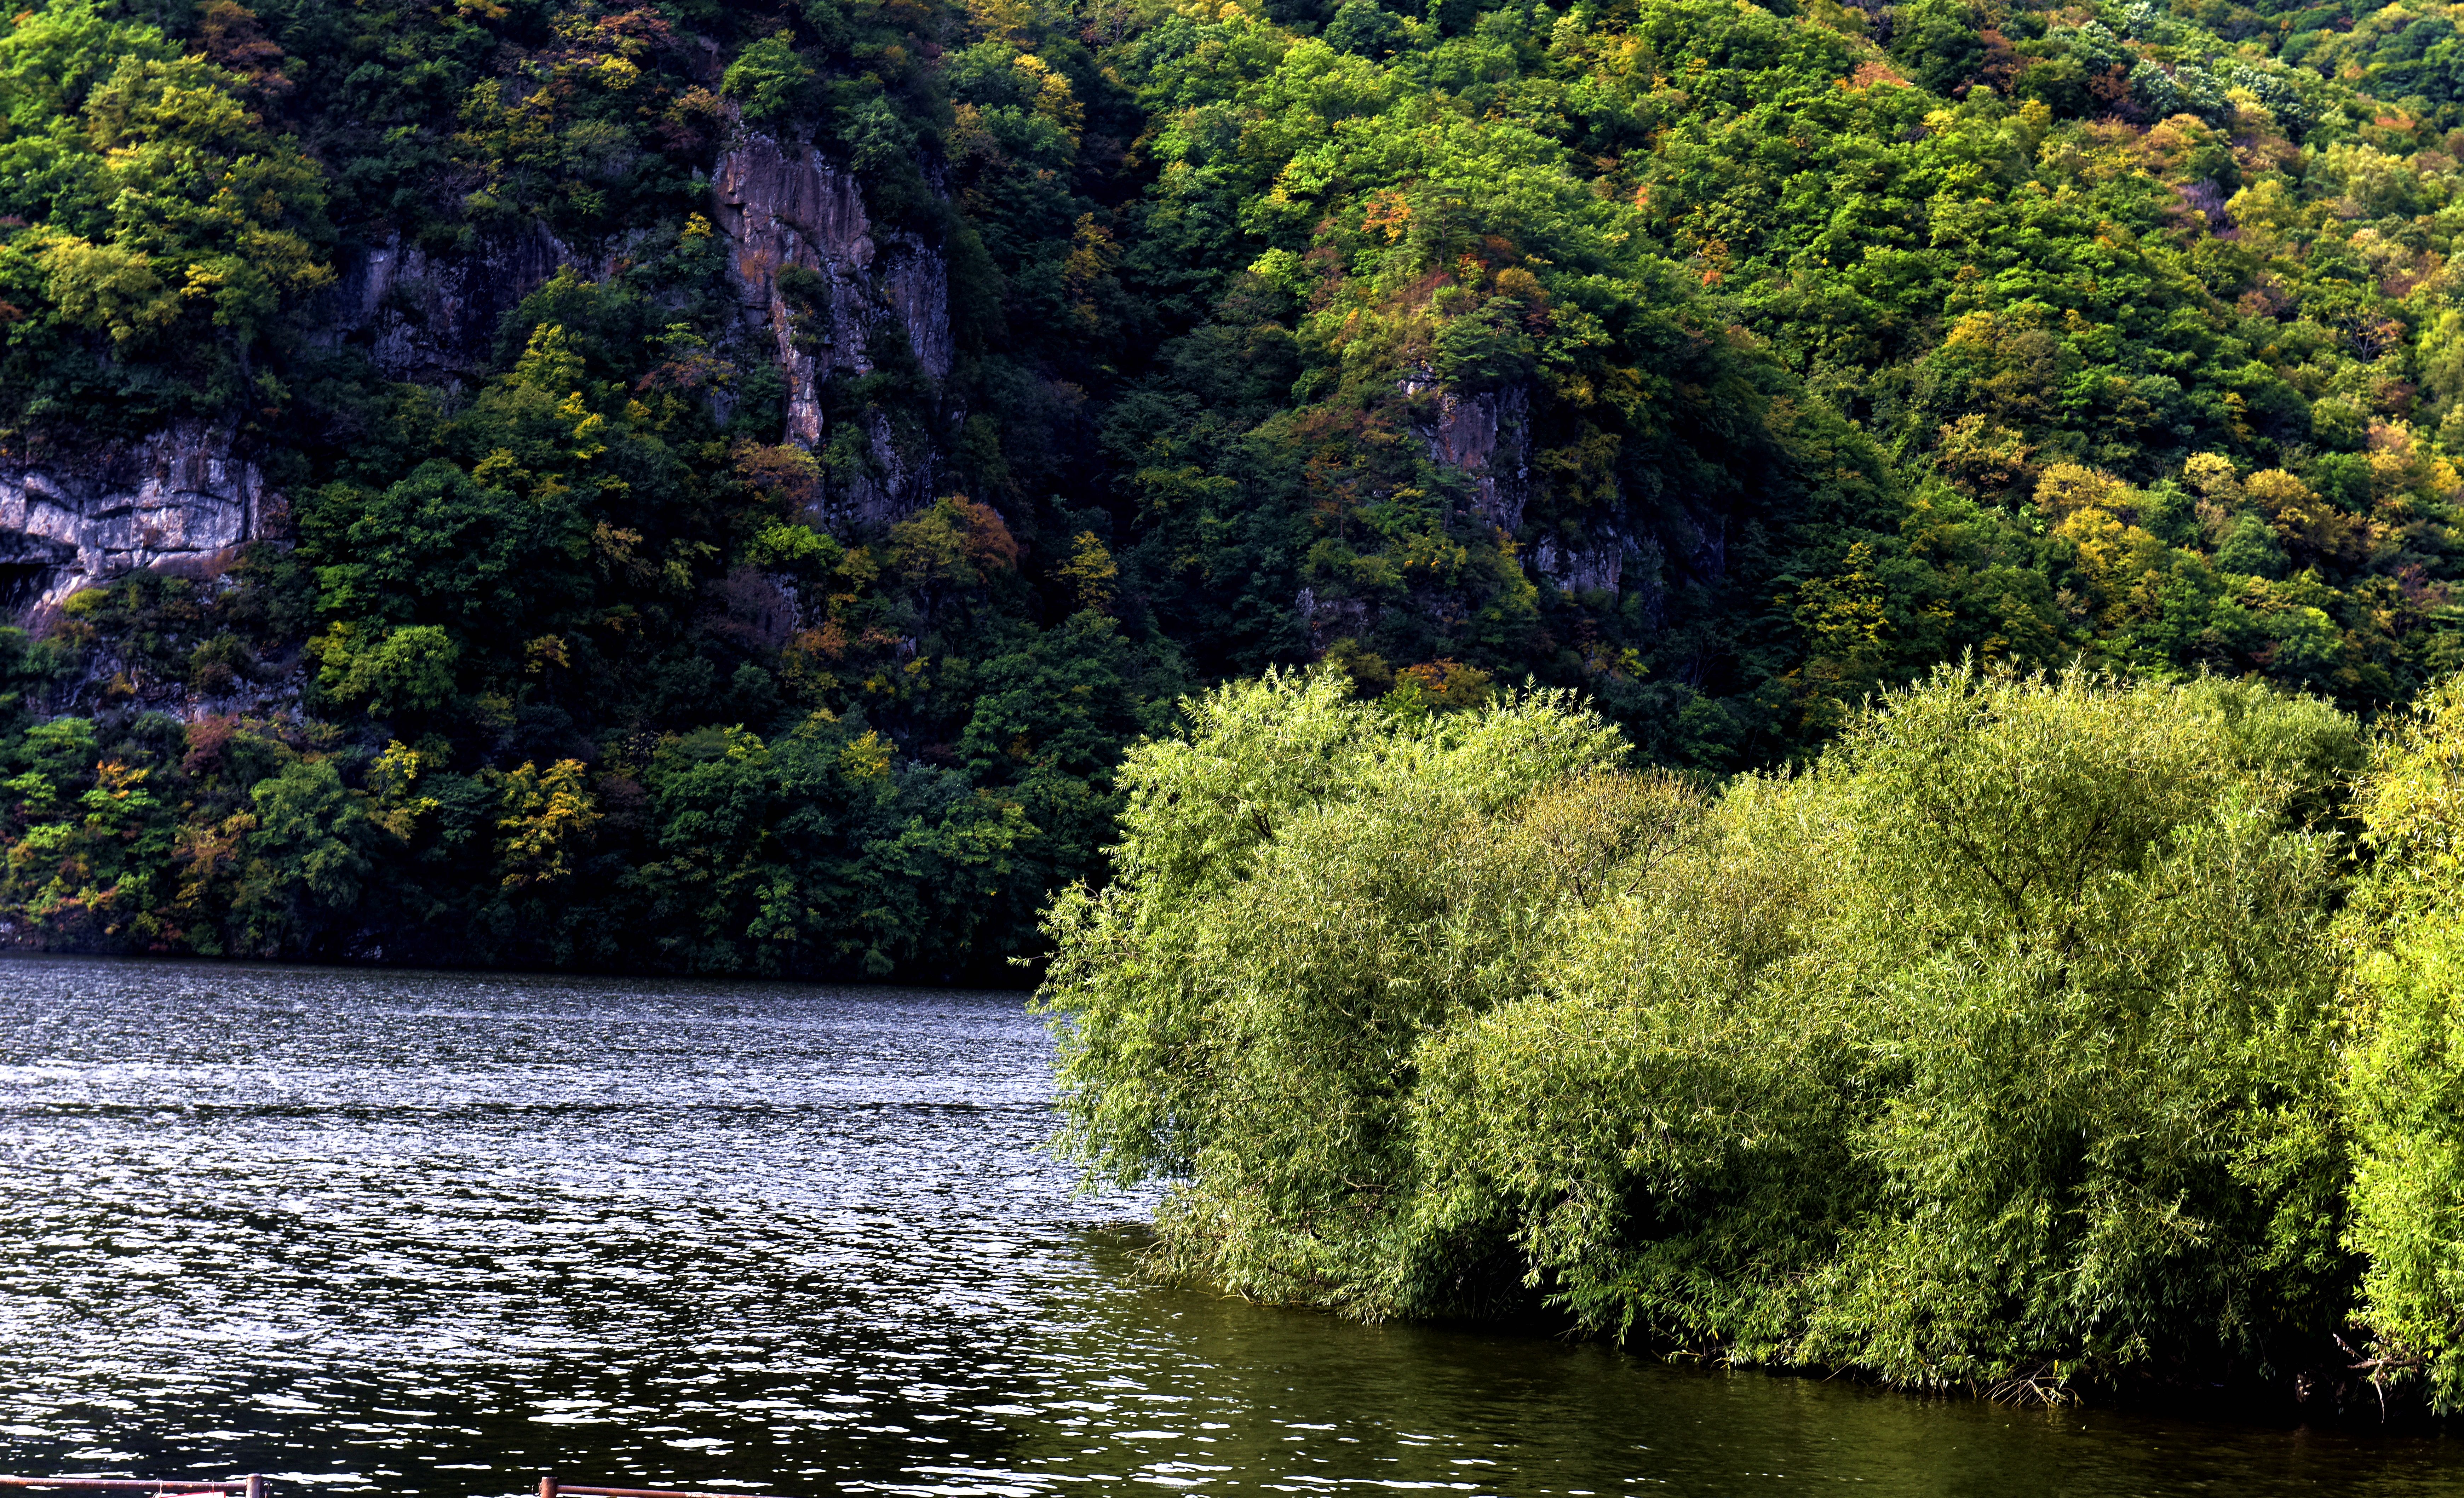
{"x":2047,"y":1034}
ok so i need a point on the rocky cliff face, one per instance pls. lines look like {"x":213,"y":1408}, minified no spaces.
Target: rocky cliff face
{"x":1484,"y":436}
{"x":786,"y":204}
{"x":182,"y":495}
{"x":1597,"y":565}
{"x":1487,"y":437}
{"x":179,"y":497}
{"x":432,"y":319}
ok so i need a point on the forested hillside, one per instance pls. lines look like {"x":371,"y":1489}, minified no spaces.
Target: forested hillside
{"x":724,"y":483}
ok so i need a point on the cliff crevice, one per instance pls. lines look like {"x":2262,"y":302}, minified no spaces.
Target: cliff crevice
{"x":788,"y":209}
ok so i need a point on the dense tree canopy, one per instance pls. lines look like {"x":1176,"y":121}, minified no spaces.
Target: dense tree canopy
{"x":2017,"y":1044}
{"x":1719,"y":364}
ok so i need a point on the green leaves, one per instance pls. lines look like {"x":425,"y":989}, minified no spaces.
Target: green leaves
{"x":1997,"y":1046}
{"x":1242,"y":1003}
{"x":772,"y":82}
{"x":1712,"y":361}
{"x":2400,"y":1082}
{"x":817,"y":850}
{"x":110,"y":288}
{"x":174,"y":225}
{"x":404,"y":670}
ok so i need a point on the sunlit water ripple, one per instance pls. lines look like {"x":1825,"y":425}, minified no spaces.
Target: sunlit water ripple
{"x":428,"y":1233}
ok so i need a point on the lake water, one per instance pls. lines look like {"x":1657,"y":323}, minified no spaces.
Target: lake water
{"x":436,"y":1233}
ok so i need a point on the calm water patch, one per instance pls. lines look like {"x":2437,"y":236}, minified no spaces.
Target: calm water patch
{"x":433,"y":1233}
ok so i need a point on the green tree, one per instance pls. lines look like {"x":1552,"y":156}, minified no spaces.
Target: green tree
{"x":2401,"y":1080}
{"x":1995,"y":1050}
{"x":170,"y":226}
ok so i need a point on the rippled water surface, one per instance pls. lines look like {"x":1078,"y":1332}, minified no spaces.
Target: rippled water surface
{"x":384,"y":1232}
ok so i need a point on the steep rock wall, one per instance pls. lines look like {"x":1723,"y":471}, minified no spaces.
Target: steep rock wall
{"x":1485,"y":437}
{"x":1597,"y":565}
{"x":180,"y":495}
{"x":432,"y":319}
{"x":785,"y":203}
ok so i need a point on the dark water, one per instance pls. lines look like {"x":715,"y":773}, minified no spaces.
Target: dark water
{"x":433,"y":1234}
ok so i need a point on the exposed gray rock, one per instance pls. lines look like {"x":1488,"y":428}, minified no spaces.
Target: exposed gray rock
{"x":786,"y":206}
{"x":1330,"y":619}
{"x":758,"y":609}
{"x":27,"y":565}
{"x":785,"y":203}
{"x":1487,"y":437}
{"x":433,"y":318}
{"x":270,"y":690}
{"x":916,"y":285}
{"x":1594,"y":565}
{"x":180,"y":495}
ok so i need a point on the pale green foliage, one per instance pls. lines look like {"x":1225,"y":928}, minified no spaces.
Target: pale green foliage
{"x":770,"y":78}
{"x":2076,"y":933}
{"x":52,"y":58}
{"x":169,"y":218}
{"x":2404,"y":1077}
{"x":787,"y":545}
{"x":195,"y":180}
{"x":1658,"y":1106}
{"x":1995,"y":1047}
{"x":1306,"y":887}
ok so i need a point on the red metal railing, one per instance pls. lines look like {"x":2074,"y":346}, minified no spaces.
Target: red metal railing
{"x":253,"y":1486}
{"x":550,"y":1487}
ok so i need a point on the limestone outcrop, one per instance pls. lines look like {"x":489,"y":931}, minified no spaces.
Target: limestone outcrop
{"x":181,"y":495}
{"x":786,"y":204}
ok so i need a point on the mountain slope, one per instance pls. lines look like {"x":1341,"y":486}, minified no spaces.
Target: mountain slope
{"x":716,"y":487}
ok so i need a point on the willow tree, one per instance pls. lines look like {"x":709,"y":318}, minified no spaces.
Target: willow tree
{"x":2403,"y":1076}
{"x":1997,"y":1048}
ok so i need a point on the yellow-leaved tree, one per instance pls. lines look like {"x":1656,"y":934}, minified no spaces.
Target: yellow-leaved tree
{"x":156,"y":218}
